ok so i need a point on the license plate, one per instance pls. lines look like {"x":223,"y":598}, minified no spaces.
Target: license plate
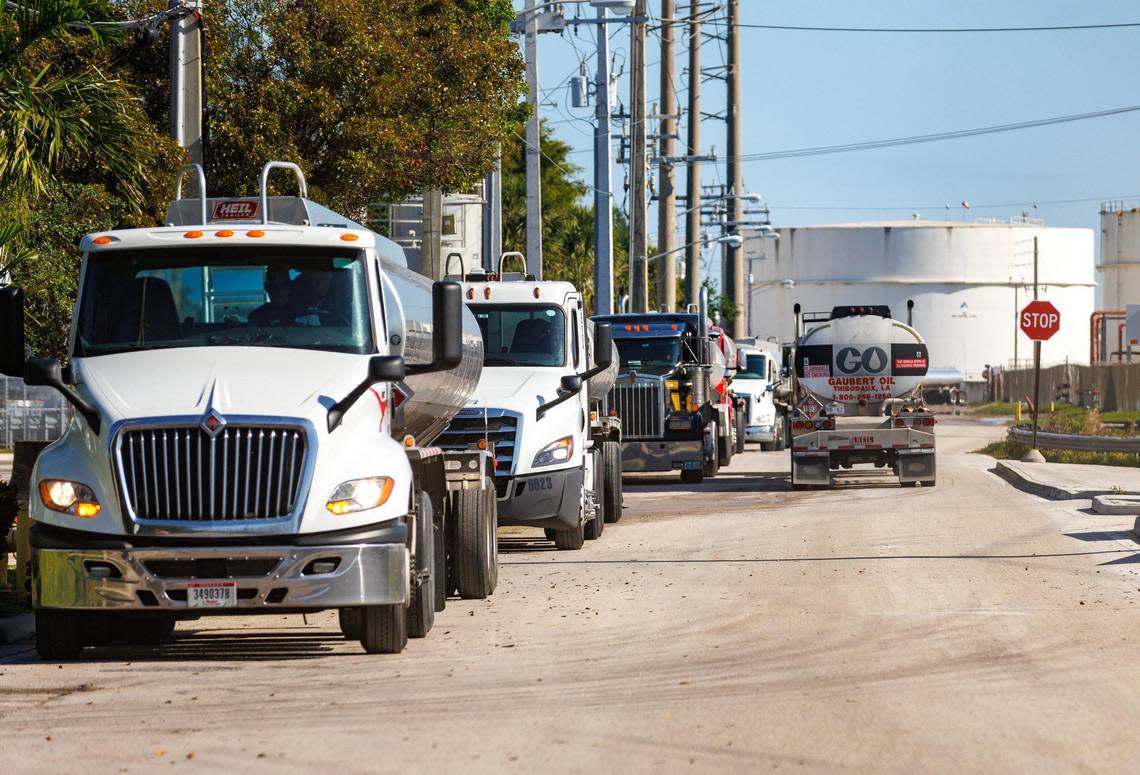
{"x":212,"y":594}
{"x":690,"y":465}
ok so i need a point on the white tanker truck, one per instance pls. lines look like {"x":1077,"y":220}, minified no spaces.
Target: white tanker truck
{"x":856,"y":380}
{"x":256,"y":387}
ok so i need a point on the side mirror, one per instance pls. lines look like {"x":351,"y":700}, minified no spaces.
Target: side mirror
{"x":11,"y":331}
{"x":603,"y":345}
{"x":571,"y":383}
{"x":48,"y":372}
{"x":741,"y":361}
{"x":386,"y":368}
{"x":447,"y":328}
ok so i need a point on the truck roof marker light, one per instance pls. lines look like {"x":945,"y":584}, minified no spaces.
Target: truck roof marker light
{"x":470,"y":293}
{"x":255,"y":233}
{"x":613,"y":413}
{"x":672,"y":328}
{"x":409,"y":441}
{"x":629,"y":328}
{"x":224,"y":233}
{"x":103,"y":240}
{"x":537,"y":293}
{"x":481,"y":443}
{"x":349,"y":237}
{"x":193,"y":234}
{"x":487,"y":292}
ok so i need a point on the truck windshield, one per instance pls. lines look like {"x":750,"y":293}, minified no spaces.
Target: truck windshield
{"x":652,"y":354}
{"x":522,"y":334}
{"x":755,"y":367}
{"x":306,"y":298}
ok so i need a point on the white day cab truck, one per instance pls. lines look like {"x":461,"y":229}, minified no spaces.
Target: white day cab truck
{"x":756,"y":383}
{"x":256,"y":385}
{"x":856,"y":385}
{"x":538,"y":405}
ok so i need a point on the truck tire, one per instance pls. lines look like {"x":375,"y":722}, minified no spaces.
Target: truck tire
{"x":59,"y":634}
{"x":473,"y":562}
{"x":349,"y":621}
{"x":724,"y":447}
{"x":491,"y":506}
{"x":384,"y":628}
{"x":713,"y":465}
{"x":421,"y":604}
{"x":611,"y":467}
{"x":570,"y":539}
{"x":741,"y":423}
{"x":692,"y":475}
{"x":597,"y":524}
{"x":440,"y":572}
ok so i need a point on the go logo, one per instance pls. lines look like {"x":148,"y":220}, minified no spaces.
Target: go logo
{"x":873,"y":360}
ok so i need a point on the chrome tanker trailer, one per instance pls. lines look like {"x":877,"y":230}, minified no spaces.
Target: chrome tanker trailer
{"x":257,"y":385}
{"x":855,"y":384}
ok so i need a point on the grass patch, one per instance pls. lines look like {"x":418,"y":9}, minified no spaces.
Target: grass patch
{"x":1015,"y":450}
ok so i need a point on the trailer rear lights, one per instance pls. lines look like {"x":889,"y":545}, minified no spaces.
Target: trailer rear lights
{"x":809,"y":425}
{"x":359,"y":495}
{"x":67,"y":497}
{"x":349,"y":237}
{"x":798,"y":424}
{"x":104,"y":240}
{"x":193,"y":234}
{"x":224,"y":233}
{"x":255,"y":233}
{"x":321,"y":566}
{"x":900,"y":423}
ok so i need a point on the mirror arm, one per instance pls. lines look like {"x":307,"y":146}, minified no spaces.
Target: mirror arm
{"x":563,"y":397}
{"x":338,"y":410}
{"x":85,"y":410}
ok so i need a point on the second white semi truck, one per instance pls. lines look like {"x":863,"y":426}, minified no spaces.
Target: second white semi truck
{"x":538,"y":405}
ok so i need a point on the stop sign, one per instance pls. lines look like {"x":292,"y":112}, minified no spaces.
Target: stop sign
{"x":1039,"y":320}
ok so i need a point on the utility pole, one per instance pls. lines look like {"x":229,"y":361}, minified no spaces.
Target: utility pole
{"x":666,"y":197}
{"x":1036,"y":357}
{"x":493,"y":215}
{"x":603,"y":177}
{"x":693,"y":177}
{"x":734,"y":263}
{"x":638,"y":199}
{"x":533,"y":147}
{"x":186,"y":78}
{"x":431,"y":225}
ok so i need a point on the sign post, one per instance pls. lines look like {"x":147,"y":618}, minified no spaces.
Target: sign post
{"x":1039,"y":320}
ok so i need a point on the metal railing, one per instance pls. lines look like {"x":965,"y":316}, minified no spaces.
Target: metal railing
{"x":30,"y":413}
{"x":1051,"y":440}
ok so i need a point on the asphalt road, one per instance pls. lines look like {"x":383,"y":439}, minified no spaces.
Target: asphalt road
{"x":732,"y":626}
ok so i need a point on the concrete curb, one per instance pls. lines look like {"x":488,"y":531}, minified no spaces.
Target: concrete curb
{"x":14,"y":629}
{"x":1116,"y":505}
{"x":1043,"y":489}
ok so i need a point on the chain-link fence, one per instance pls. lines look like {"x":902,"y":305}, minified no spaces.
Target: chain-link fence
{"x":30,"y":413}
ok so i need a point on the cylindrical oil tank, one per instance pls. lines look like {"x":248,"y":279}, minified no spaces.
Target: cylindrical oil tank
{"x":1119,"y":266}
{"x":599,"y":385}
{"x":436,"y":397}
{"x":860,"y":360}
{"x":968,"y":281}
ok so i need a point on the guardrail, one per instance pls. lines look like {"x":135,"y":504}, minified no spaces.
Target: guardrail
{"x":1051,"y":440}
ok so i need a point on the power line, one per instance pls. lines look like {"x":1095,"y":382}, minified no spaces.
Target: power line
{"x":1057,"y":28}
{"x":984,"y":206}
{"x":935,"y":137}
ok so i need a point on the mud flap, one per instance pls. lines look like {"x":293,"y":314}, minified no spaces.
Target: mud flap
{"x":811,"y":469}
{"x":916,"y":467}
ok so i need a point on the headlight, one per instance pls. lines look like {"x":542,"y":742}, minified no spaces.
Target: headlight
{"x":67,"y":497}
{"x":558,"y":452}
{"x":359,"y":495}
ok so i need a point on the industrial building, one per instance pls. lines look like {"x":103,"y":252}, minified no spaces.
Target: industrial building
{"x":967,"y":281}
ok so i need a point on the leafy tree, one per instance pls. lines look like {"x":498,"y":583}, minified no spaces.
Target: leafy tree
{"x":567,"y":217}
{"x":375,"y":99}
{"x":76,"y":153}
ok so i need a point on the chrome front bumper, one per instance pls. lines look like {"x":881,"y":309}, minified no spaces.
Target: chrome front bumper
{"x":157,"y":578}
{"x":639,"y":456}
{"x":763,"y":433}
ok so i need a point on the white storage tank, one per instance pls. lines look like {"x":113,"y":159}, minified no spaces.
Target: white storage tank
{"x":1119,"y":266}
{"x":967,"y":281}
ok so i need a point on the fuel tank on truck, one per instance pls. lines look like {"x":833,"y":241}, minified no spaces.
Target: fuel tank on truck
{"x":861,"y":360}
{"x":599,"y":385}
{"x":436,"y":397}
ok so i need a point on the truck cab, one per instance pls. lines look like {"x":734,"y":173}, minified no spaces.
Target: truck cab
{"x":240,"y":380}
{"x":534,"y":408}
{"x":756,"y":382}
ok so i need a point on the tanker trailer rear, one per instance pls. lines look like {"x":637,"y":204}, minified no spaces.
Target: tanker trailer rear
{"x":857,"y":374}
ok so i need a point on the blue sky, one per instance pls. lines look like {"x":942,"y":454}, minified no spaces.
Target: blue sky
{"x":806,"y":89}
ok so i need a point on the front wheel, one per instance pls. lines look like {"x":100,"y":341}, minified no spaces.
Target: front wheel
{"x":474,"y":544}
{"x":421,"y":607}
{"x":741,"y":423}
{"x":59,"y":635}
{"x":384,"y":628}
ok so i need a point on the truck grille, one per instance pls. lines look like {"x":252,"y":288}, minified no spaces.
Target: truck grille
{"x":640,"y":406}
{"x":243,"y":472}
{"x":500,"y":430}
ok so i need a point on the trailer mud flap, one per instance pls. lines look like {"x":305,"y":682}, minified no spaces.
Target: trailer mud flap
{"x":916,"y":467}
{"x":811,"y":469}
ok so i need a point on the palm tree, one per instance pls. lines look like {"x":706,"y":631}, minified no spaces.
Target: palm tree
{"x":59,"y":106}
